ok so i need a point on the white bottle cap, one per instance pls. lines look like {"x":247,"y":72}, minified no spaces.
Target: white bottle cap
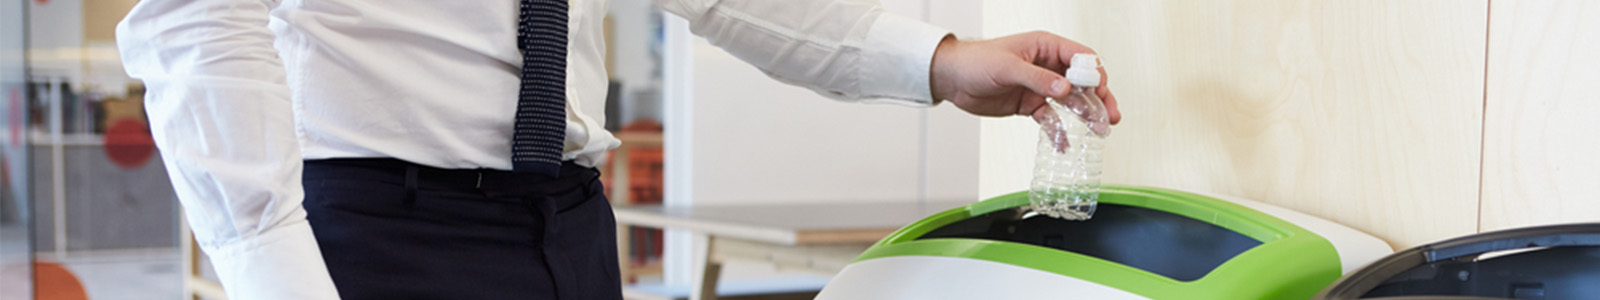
{"x":1084,"y":70}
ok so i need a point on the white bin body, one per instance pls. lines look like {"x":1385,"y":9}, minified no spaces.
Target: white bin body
{"x":933,"y":277}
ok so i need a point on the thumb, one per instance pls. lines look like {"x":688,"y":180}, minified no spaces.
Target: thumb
{"x":1037,"y":79}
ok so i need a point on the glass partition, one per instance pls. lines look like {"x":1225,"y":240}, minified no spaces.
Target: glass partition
{"x":16,"y":260}
{"x":104,"y":216}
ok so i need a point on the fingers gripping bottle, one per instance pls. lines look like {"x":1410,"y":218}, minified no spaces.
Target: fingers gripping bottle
{"x":1066,"y":172}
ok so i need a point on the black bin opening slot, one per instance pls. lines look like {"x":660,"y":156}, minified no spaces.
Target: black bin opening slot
{"x":1542,"y":274}
{"x":1159,"y":242}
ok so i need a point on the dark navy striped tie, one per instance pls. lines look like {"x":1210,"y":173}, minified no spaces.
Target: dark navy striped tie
{"x":541,"y":125}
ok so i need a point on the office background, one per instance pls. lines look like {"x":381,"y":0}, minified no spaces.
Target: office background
{"x":1414,"y":121}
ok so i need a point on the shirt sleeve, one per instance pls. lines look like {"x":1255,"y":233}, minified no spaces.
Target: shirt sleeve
{"x":842,"y":49}
{"x":221,"y":115}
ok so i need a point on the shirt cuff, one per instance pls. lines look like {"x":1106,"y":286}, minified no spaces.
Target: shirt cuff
{"x":284,"y":263}
{"x":898,"y":53}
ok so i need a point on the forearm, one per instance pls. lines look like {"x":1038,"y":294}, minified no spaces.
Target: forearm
{"x":846,"y":50}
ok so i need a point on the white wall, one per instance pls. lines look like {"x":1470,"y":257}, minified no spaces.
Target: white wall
{"x":735,"y":136}
{"x":633,"y":38}
{"x":759,"y":141}
{"x":55,"y":40}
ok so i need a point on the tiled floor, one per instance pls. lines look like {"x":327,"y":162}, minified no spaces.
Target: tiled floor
{"x":13,"y":262}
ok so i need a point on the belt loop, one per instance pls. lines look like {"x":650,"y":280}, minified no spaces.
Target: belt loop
{"x":546,"y":207}
{"x":411,"y":186}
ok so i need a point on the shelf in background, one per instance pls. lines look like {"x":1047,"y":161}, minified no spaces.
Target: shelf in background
{"x":69,"y":139}
{"x":639,"y":139}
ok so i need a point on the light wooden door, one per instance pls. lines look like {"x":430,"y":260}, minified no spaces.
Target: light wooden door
{"x":1367,"y":113}
{"x":1541,"y":150}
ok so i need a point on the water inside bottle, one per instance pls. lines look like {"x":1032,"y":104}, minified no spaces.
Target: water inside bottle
{"x":1066,"y":181}
{"x":1071,"y":205}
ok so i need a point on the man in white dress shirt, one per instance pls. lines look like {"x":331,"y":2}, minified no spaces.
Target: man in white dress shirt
{"x":364,"y":148}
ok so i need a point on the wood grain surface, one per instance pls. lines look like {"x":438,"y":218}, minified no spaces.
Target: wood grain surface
{"x":1366,"y":113}
{"x":1541,"y":162}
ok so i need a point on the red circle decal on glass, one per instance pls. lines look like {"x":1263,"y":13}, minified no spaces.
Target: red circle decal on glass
{"x":128,"y":143}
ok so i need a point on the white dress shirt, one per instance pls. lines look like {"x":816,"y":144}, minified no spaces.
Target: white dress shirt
{"x":241,"y":91}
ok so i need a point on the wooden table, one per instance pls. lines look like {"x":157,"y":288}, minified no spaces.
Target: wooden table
{"x":815,"y":238}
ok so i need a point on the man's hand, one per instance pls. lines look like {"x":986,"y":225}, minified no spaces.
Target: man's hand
{"x":1009,"y":75}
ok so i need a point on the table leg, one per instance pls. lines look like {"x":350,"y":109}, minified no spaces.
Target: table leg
{"x":705,"y":269}
{"x":621,"y":185}
{"x":624,"y":259}
{"x":190,"y":252}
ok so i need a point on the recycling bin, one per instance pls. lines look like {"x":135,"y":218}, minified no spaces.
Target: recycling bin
{"x":1142,"y":243}
{"x":1545,"y":263}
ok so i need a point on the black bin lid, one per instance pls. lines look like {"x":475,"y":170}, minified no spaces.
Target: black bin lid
{"x":1164,"y":243}
{"x":1536,"y":263}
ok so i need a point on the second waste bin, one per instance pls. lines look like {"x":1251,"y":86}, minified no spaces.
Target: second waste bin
{"x":1555,"y":262}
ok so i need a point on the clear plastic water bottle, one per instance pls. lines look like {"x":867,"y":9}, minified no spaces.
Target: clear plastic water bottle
{"x":1066,"y":172}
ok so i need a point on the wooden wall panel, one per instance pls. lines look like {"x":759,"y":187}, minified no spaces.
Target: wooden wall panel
{"x":1367,"y":113}
{"x":1541,"y":161}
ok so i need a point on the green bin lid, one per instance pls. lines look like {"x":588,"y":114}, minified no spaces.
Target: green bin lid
{"x":1276,"y":260}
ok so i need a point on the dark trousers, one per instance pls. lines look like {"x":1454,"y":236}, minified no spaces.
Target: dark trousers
{"x":389,"y":229}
